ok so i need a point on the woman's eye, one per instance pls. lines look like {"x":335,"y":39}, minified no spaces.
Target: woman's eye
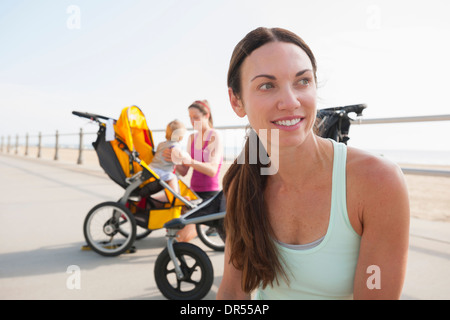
{"x":266,"y":86}
{"x":304,"y":82}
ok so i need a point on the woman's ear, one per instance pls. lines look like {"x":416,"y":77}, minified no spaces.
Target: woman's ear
{"x":236,"y":104}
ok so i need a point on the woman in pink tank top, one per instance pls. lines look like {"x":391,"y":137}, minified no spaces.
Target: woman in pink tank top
{"x":206,"y":156}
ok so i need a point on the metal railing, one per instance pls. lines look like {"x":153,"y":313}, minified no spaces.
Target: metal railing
{"x":416,"y":171}
{"x":442,"y":117}
{"x":56,"y":137}
{"x":82,"y":134}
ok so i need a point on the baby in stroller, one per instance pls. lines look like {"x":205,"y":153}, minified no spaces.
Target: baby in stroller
{"x":175,"y":132}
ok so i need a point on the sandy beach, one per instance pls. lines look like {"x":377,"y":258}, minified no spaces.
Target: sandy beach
{"x":429,"y":195}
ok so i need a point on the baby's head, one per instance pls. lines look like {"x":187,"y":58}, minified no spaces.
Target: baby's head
{"x":175,"y":131}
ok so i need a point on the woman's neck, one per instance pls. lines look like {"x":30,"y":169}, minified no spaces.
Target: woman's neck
{"x":301,"y":162}
{"x":202,"y":129}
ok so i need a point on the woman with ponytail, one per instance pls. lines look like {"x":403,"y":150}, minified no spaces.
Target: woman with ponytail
{"x":204,"y":156}
{"x":327,"y":222}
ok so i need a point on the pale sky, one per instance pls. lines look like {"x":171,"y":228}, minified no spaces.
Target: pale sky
{"x":100,"y":56}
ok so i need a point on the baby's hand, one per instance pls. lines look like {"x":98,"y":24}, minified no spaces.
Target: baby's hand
{"x":180,"y":157}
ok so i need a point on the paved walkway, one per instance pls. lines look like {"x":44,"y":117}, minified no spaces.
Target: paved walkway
{"x":42,"y":208}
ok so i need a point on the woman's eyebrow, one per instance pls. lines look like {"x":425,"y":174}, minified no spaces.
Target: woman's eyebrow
{"x":298,"y":74}
{"x":264,"y":76}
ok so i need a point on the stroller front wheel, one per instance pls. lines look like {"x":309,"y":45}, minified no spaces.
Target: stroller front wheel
{"x":198,"y":273}
{"x":110,"y":229}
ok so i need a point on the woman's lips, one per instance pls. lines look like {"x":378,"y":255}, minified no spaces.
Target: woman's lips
{"x":288,"y":123}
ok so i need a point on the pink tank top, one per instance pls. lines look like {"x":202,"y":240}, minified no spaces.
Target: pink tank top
{"x":201,"y":182}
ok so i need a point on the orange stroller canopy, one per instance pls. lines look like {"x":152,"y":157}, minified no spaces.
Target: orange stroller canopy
{"x":132,"y":130}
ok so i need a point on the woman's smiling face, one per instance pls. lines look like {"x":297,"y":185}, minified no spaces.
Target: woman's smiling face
{"x":278,"y":91}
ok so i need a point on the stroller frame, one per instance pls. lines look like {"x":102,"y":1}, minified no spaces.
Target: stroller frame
{"x":334,"y":123}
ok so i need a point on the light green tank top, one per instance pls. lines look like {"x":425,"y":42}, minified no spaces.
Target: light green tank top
{"x":326,"y":268}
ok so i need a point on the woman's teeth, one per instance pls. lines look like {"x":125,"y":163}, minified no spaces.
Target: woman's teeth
{"x":288,"y":122}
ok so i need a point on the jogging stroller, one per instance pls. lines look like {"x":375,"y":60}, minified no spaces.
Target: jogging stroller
{"x":125,"y":148}
{"x":335,"y":122}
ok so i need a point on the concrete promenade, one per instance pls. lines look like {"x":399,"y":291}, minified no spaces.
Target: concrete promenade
{"x":43,"y":204}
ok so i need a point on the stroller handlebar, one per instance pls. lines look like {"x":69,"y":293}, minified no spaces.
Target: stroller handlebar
{"x":91,"y":116}
{"x":357,"y":108}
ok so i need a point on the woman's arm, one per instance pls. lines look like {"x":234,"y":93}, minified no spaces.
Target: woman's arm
{"x":384,"y":216}
{"x":216,"y":152}
{"x":230,"y":287}
{"x":184,"y":160}
{"x":182,"y":169}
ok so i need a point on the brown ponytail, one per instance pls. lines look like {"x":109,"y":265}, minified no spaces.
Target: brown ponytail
{"x":249,"y":233}
{"x":247,"y":225}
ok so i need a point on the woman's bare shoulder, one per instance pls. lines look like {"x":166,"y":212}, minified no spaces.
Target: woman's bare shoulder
{"x":374,"y":180}
{"x":370,"y":168}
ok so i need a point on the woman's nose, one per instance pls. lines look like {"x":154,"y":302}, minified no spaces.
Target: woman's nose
{"x":288,"y":99}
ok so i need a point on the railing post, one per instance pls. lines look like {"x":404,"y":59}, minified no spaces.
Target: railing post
{"x":17,"y":145}
{"x":8,"y":144}
{"x":56,"y":145}
{"x":39,"y":144}
{"x":1,"y":146}
{"x":80,"y":149}
{"x":26,"y":144}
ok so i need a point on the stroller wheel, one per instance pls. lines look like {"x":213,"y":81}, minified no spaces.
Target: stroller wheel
{"x":198,"y":273}
{"x":110,"y":229}
{"x":210,"y":237}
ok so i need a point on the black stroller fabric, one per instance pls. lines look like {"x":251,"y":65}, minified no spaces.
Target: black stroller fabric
{"x":108,"y":159}
{"x":334,"y":123}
